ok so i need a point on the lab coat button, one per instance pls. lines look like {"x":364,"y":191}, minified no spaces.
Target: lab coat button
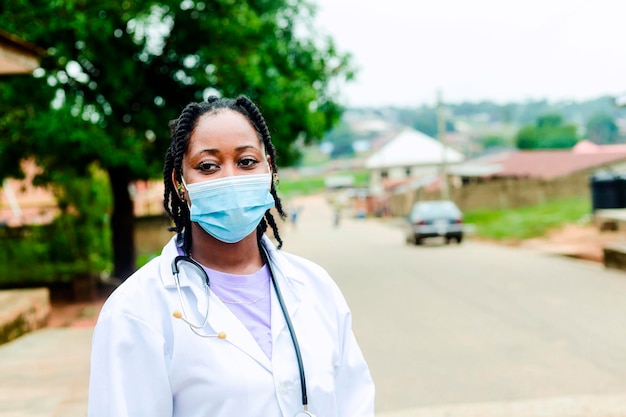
{"x":286,"y":387}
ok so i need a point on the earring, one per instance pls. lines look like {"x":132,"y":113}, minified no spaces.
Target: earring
{"x":181,"y":193}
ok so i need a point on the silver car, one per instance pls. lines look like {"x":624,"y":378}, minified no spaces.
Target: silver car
{"x":439,"y":218}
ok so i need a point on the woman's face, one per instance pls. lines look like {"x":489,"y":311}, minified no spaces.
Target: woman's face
{"x":223,"y":144}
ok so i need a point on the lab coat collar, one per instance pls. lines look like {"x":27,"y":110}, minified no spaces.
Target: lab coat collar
{"x":222,"y":319}
{"x":280,"y":266}
{"x":169,"y":252}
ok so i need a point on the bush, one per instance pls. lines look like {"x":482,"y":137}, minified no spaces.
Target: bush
{"x":76,"y":244}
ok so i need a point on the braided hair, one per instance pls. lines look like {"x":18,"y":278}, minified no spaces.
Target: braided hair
{"x":181,"y":130}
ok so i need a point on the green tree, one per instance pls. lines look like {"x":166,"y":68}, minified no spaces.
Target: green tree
{"x":549,"y":121}
{"x":548,"y":132}
{"x":527,"y":137}
{"x":491,"y":142}
{"x":117,"y":71}
{"x":342,"y":139}
{"x":602,"y":129}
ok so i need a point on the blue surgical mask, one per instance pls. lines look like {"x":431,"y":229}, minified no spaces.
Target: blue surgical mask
{"x":230,"y":208}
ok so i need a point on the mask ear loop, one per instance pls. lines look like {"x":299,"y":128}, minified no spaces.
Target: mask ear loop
{"x":181,"y":193}
{"x":274,"y":175}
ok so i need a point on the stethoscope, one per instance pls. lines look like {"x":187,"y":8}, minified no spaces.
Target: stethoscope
{"x":221,"y":335}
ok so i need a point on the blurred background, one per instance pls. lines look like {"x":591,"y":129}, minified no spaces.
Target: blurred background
{"x":88,"y":89}
{"x":513,"y":111}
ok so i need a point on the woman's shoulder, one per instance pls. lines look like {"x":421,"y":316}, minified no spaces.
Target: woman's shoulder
{"x":139,"y":289}
{"x":302,"y":263}
{"x":145,"y":283}
{"x":306,"y":271}
{"x":290,"y":264}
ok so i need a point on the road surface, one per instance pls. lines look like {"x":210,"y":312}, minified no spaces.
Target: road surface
{"x":473,"y":323}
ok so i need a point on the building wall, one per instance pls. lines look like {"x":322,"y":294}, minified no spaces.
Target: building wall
{"x":501,"y":193}
{"x":399,"y":174}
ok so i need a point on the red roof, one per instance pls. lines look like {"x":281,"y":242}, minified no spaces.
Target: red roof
{"x":544,"y":164}
{"x":390,"y":184}
{"x":550,"y":164}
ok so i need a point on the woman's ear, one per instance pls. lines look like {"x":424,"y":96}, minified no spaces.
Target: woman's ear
{"x":180,"y":190}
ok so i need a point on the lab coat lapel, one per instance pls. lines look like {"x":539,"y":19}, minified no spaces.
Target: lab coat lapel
{"x":220,"y":318}
{"x":291,"y":298}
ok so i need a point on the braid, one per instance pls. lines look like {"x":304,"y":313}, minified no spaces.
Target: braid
{"x":180,"y":131}
{"x":177,"y":209}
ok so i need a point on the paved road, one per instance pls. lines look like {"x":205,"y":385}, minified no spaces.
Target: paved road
{"x":475,"y":323}
{"x":45,"y":374}
{"x":455,"y":331}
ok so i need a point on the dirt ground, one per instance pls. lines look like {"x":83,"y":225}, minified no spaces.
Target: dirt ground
{"x":579,"y":241}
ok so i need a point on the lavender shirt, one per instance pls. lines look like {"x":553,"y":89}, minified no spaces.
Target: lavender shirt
{"x":248,"y":297}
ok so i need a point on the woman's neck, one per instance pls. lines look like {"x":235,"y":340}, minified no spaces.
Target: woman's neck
{"x":240,"y":258}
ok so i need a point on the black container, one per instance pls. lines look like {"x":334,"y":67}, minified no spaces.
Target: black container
{"x":608,"y":191}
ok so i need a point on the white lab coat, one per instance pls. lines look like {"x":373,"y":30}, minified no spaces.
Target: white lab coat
{"x":146,"y":363}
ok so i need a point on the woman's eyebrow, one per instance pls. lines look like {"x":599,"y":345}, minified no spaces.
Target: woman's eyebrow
{"x":215,"y":151}
{"x":244,"y":147}
{"x":210,"y":151}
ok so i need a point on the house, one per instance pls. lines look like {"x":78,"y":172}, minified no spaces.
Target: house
{"x":20,"y":200}
{"x":410,"y":159}
{"x":17,"y":56}
{"x":542,"y":164}
{"x":518,"y":178}
{"x":22,"y":203}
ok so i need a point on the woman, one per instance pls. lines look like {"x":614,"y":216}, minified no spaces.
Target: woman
{"x":223,"y":323}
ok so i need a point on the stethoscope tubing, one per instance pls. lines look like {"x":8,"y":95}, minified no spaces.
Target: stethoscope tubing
{"x":294,"y":339}
{"x":281,"y":302}
{"x":175,"y":271}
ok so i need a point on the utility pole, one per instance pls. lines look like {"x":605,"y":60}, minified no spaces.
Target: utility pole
{"x":441,"y":135}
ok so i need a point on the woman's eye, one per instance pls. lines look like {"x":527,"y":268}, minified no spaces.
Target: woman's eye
{"x":248,"y":162}
{"x":207,"y":166}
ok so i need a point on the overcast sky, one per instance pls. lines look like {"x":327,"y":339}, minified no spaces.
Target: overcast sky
{"x":499,"y":50}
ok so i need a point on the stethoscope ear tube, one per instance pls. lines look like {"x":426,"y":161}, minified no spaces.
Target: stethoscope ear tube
{"x":189,"y":259}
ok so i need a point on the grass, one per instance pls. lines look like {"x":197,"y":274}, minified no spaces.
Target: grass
{"x":308,"y":185}
{"x":300,"y":186}
{"x":528,"y":222}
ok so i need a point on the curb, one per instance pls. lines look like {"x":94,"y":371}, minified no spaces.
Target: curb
{"x":22,"y":311}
